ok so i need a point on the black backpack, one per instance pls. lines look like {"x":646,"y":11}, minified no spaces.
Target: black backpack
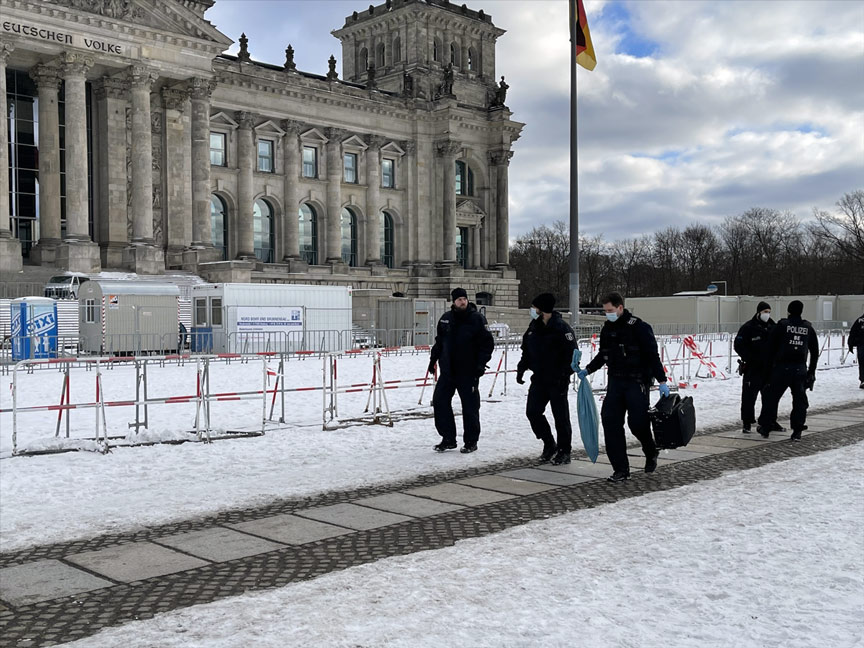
{"x":673,"y":420}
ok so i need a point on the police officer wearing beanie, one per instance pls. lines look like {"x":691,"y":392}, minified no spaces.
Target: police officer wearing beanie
{"x":750,"y":346}
{"x":856,"y":339}
{"x":787,"y":367}
{"x":628,"y":348}
{"x":463,"y":347}
{"x":547,"y":347}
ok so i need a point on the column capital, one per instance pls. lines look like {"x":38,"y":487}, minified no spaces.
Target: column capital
{"x":335,"y":135}
{"x":246,"y":119}
{"x":448,"y":148}
{"x":375,"y":142}
{"x":410,"y":147}
{"x":46,"y":76}
{"x":293,"y":126}
{"x":499,"y":158}
{"x":175,"y":98}
{"x":5,"y":50}
{"x":141,"y":76}
{"x":200,"y":88}
{"x":109,"y":87}
{"x":75,"y":64}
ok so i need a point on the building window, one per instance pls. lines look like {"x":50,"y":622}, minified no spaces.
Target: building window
{"x":90,"y":311}
{"x":454,"y":55}
{"x":349,"y":237}
{"x":483,"y":299}
{"x":265,"y":156}
{"x":262,"y":222}
{"x":310,"y":162}
{"x":362,"y":62}
{"x":216,"y":311}
{"x":218,"y":155}
{"x":387,"y":239}
{"x":379,"y":56}
{"x":350,"y":166}
{"x":219,"y":224}
{"x":464,"y":180}
{"x":472,"y":59}
{"x":200,"y":312}
{"x":397,"y":50}
{"x":308,"y":234}
{"x":462,"y":246}
{"x":436,"y":50}
{"x":387,"y":177}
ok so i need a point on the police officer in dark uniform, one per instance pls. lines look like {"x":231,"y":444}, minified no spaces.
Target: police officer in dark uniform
{"x":856,"y":339}
{"x":547,"y":347}
{"x":750,"y":346}
{"x":787,"y":367}
{"x":463,"y":347}
{"x":628,"y":348}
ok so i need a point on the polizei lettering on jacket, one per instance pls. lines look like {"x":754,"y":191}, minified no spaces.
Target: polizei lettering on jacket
{"x":797,"y":330}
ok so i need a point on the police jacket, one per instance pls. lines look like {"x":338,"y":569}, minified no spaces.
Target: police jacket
{"x":463,"y":345}
{"x":751,"y":342}
{"x":789,"y":343}
{"x":628,"y":348}
{"x":547,"y":349}
{"x":856,"y":334}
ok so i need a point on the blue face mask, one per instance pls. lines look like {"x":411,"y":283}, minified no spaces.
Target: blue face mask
{"x":533,"y":313}
{"x":612,"y":317}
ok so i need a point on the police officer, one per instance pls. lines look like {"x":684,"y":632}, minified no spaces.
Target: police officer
{"x":750,"y":347}
{"x":463,"y":346}
{"x":547,"y":347}
{"x":856,"y":339}
{"x":628,"y":348}
{"x":786,"y":367}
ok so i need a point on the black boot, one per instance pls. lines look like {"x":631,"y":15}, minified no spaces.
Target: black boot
{"x":548,"y":452}
{"x":776,"y":427}
{"x":561,"y":458}
{"x":618,"y":476}
{"x":445,"y":445}
{"x":763,"y":431}
{"x":746,"y":428}
{"x":467,"y":449}
{"x":651,"y":462}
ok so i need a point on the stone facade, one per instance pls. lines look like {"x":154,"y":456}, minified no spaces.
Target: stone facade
{"x":393,"y":178}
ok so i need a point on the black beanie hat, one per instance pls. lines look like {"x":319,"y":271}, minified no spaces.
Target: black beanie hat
{"x":796,"y":308}
{"x":544,"y":302}
{"x":762,"y":306}
{"x":457,"y":293}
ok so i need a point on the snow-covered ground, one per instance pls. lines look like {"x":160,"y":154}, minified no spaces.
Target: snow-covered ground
{"x":61,"y":497}
{"x":764,"y":558}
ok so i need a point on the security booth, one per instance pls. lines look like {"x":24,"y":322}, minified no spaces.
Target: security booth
{"x":404,"y":321}
{"x":128,"y":318}
{"x":33,"y":328}
{"x":278,"y":318}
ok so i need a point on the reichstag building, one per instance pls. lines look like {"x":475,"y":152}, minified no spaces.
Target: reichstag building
{"x":133,"y":143}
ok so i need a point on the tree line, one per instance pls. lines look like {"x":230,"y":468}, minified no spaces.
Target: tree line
{"x":762,"y":251}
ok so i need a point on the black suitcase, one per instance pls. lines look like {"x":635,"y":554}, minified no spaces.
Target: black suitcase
{"x":673,"y":420}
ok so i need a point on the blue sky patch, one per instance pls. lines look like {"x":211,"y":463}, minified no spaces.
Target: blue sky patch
{"x":632,"y":42}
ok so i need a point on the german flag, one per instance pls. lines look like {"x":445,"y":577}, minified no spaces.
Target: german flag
{"x":579,"y":32}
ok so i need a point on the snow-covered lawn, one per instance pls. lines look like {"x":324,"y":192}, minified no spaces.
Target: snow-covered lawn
{"x":46,"y":499}
{"x":764,"y":558}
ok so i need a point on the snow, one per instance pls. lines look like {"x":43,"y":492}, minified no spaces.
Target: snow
{"x":74,"y":495}
{"x":764,"y":558}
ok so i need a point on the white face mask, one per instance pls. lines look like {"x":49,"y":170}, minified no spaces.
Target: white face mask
{"x":533,"y":313}
{"x":612,"y":317}
{"x":764,"y":316}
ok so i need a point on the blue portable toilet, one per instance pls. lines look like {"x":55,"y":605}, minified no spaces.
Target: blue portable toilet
{"x":34,"y":328}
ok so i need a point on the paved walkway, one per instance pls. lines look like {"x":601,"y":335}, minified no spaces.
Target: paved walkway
{"x":57,"y":593}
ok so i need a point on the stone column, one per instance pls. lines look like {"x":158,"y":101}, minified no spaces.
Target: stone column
{"x":291,"y":150}
{"x":501,"y":159}
{"x":475,"y":246}
{"x":447,"y":151}
{"x":246,"y":167}
{"x":174,"y":101}
{"x":199,"y":92}
{"x":78,"y":253}
{"x":407,"y":172}
{"x":47,"y":79}
{"x":140,"y":80}
{"x":373,"y":192}
{"x":334,"y":195}
{"x":10,"y":247}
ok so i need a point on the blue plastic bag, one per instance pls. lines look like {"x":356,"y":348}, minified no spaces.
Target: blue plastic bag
{"x":586,"y":409}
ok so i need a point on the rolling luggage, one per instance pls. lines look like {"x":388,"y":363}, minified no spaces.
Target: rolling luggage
{"x":673,"y":420}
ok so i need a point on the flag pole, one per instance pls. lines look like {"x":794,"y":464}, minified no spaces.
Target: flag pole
{"x":574,"y":178}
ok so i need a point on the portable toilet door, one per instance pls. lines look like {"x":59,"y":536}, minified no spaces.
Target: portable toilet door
{"x":34,"y":328}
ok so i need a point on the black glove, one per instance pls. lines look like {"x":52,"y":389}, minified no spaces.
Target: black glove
{"x":742,"y":367}
{"x":520,"y":377}
{"x":480,"y":371}
{"x":431,"y":368}
{"x":811,"y":379}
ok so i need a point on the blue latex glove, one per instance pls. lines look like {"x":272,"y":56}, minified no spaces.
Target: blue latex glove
{"x":582,"y":374}
{"x":577,"y":358}
{"x":664,"y":389}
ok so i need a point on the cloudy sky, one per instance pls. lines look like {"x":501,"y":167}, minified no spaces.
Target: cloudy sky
{"x":695,"y":111}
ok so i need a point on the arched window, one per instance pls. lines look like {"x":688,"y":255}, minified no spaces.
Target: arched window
{"x":379,"y":56}
{"x":362,"y":62}
{"x":397,"y":49}
{"x":387,"y":239}
{"x":455,"y":55}
{"x":462,"y":246}
{"x":349,"y":237}
{"x":472,"y":59}
{"x":262,"y":223}
{"x":308,"y":234}
{"x":464,"y":180}
{"x":219,"y":224}
{"x":436,"y":50}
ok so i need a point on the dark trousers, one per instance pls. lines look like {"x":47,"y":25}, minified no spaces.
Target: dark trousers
{"x":750,"y":390}
{"x":861,"y":362}
{"x":786,"y":376}
{"x":469,"y":394}
{"x":630,"y":396}
{"x":540,"y":394}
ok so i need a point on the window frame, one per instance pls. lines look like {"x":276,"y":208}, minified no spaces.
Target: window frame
{"x":199,"y":310}
{"x":462,"y":245}
{"x":392,"y":174}
{"x":267,"y":254}
{"x":351,"y":259}
{"x":387,"y":242}
{"x":224,"y":230}
{"x":345,"y":168}
{"x":271,"y":157}
{"x":224,"y":150}
{"x":215,"y":311}
{"x":315,"y":164}
{"x":310,"y":255}
{"x":90,"y":311}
